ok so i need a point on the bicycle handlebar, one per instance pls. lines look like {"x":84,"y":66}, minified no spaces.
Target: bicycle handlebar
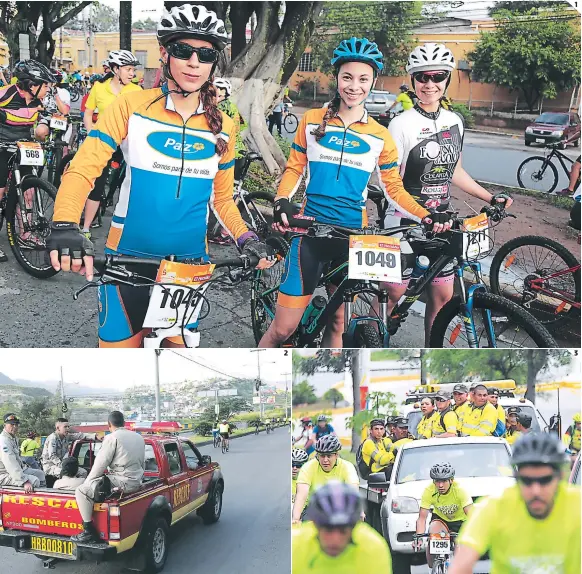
{"x":427,"y":534}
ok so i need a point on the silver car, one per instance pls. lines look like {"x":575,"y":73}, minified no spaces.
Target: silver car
{"x":378,"y":102}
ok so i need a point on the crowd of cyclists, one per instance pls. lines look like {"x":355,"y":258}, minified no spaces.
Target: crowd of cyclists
{"x":327,"y":513}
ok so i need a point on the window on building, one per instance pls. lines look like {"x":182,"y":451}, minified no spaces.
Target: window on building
{"x":305,"y":62}
{"x":142,"y":57}
{"x":82,"y":58}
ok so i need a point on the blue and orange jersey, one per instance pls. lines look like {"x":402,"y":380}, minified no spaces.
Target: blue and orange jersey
{"x":338,"y":169}
{"x":20,"y":116}
{"x":173,"y":175}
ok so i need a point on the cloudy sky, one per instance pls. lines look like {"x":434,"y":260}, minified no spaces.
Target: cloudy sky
{"x":120,"y":369}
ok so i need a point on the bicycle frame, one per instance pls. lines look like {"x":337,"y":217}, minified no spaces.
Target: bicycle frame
{"x":538,"y":285}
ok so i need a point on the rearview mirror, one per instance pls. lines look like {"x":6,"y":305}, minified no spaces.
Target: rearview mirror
{"x":206,"y":459}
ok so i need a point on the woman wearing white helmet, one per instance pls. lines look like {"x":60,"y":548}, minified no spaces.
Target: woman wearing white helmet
{"x":429,"y":138}
{"x":179,"y":152}
{"x":122,"y":65}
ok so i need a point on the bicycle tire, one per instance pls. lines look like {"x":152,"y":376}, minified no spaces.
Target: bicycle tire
{"x":75,"y":95}
{"x":293,"y":122}
{"x":518,"y":317}
{"x":264,"y":280}
{"x":533,"y":160}
{"x":263,"y":229}
{"x":57,"y":157}
{"x":437,"y":568}
{"x":366,"y":337}
{"x":61,"y":166}
{"x":43,"y":269}
{"x":549,"y":317}
{"x":223,"y":447}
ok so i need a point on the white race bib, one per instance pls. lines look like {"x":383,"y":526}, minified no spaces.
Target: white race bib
{"x":58,"y":122}
{"x":476,"y":236}
{"x":375,"y":258}
{"x":439,"y":545}
{"x":169,"y":305}
{"x":31,"y":153}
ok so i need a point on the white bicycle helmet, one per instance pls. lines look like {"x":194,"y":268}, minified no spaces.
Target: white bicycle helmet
{"x":192,"y":21}
{"x":122,"y":58}
{"x":429,"y":57}
{"x":224,"y":85}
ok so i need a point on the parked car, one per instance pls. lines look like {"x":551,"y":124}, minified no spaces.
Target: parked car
{"x":178,"y":481}
{"x":554,"y":127}
{"x":378,"y":102}
{"x":482,"y":467}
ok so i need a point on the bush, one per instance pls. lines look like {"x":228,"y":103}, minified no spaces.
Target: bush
{"x":203,"y":429}
{"x":465,"y":113}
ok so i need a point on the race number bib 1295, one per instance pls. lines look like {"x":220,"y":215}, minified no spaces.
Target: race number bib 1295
{"x":438,"y":545}
{"x":170,"y":305}
{"x":31,"y":153}
{"x":375,"y":258}
{"x":476,"y":236}
{"x":58,"y":122}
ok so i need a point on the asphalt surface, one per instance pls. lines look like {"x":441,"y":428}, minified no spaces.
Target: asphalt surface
{"x":253,"y":535}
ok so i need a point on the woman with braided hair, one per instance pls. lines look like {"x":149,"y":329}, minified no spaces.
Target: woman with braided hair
{"x":179,"y":151}
{"x":339,"y":148}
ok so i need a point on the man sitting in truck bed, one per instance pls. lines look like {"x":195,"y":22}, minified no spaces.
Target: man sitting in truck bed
{"x":123,"y":452}
{"x":69,"y":475}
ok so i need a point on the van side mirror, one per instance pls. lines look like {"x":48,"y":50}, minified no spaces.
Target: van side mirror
{"x":206,"y":459}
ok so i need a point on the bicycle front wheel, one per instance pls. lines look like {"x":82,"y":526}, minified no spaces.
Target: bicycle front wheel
{"x":265,"y":289}
{"x":513,"y":326}
{"x":366,"y":337}
{"x":537,"y":173}
{"x":290,"y":124}
{"x":27,"y":232}
{"x":538,"y":272}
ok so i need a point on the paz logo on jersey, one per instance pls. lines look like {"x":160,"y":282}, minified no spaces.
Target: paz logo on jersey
{"x":193,"y":148}
{"x":350,"y":144}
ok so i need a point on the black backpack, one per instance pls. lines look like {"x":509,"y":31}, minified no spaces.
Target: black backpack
{"x":363,"y":468}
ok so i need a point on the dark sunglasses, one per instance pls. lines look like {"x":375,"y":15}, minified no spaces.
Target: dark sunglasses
{"x":541,"y":480}
{"x":436,"y":77}
{"x":296,"y":465}
{"x":185,"y":51}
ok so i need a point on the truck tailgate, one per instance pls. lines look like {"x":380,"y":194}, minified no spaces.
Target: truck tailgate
{"x":43,"y":511}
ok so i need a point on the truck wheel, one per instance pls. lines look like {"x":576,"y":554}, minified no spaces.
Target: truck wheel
{"x":210,"y":512}
{"x":156,"y":546}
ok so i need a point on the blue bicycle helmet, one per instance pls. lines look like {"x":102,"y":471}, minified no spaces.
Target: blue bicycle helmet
{"x":358,"y":50}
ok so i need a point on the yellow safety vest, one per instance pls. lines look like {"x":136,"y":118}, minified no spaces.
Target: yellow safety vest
{"x":480,"y":421}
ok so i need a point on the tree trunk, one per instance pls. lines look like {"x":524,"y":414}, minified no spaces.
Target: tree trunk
{"x":357,"y":368}
{"x":423,"y":373}
{"x":125,"y":25}
{"x":536,"y":360}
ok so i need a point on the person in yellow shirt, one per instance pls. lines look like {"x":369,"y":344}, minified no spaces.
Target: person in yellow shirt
{"x":493,"y":398}
{"x":462,"y":404}
{"x":403,"y":98}
{"x":446,"y":423}
{"x":28,"y":449}
{"x":543,"y":534}
{"x":325,"y":467}
{"x":482,"y":418}
{"x":512,"y":434}
{"x":335,"y":539}
{"x":102,"y":95}
{"x":449,"y":502}
{"x":298,"y":458}
{"x":572,"y":437}
{"x":401,"y":433}
{"x":424,"y":429}
{"x":377,"y":452}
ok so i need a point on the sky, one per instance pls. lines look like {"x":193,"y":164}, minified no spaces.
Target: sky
{"x":120,"y":369}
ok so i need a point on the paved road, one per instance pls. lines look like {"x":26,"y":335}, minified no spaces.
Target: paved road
{"x":253,"y":535}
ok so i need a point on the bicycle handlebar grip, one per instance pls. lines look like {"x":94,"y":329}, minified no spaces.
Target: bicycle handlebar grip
{"x":301,"y":222}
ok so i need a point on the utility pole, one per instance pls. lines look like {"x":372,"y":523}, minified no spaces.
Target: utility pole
{"x":61,"y":46}
{"x":157,"y":381}
{"x":259,"y":382}
{"x":286,"y":375}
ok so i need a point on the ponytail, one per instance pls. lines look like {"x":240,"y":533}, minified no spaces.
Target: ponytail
{"x":330,"y":114}
{"x":213,"y":114}
{"x":106,"y":77}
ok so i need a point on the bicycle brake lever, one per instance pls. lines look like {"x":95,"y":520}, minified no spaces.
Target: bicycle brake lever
{"x":84,"y":288}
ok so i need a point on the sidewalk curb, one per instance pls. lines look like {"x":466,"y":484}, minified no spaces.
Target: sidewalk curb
{"x":514,"y":136}
{"x":533,"y":193}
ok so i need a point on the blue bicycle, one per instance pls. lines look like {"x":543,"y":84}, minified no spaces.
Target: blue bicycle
{"x":475,"y":318}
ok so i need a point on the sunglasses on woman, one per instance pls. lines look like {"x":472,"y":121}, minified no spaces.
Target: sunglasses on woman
{"x":185,"y":51}
{"x":436,"y":77}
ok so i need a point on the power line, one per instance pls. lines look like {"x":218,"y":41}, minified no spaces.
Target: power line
{"x":203,"y":365}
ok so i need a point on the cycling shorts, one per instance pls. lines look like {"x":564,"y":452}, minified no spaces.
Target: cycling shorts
{"x":308,"y":259}
{"x":224,"y":435}
{"x":5,"y":155}
{"x":453,"y":526}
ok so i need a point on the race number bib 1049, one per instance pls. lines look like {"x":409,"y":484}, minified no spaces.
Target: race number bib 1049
{"x":170,"y":305}
{"x":476,"y":236}
{"x":58,"y":122}
{"x":375,"y":258}
{"x":31,"y":153}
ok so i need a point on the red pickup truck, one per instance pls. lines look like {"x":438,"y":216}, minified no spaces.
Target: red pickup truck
{"x":178,"y":481}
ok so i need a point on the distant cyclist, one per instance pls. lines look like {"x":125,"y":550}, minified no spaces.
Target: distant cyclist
{"x":323,"y":428}
{"x":450,"y":505}
{"x":404,"y":98}
{"x":298,"y":458}
{"x":572,"y":437}
{"x":532,"y":526}
{"x":325,"y":467}
{"x":335,"y":540}
{"x":215,"y":431}
{"x":224,"y":430}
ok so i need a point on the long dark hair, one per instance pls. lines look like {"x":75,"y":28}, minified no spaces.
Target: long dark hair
{"x":106,"y":77}
{"x":212,"y":114}
{"x":330,"y":114}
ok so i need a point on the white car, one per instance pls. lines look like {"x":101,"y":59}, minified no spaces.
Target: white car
{"x":482,"y":468}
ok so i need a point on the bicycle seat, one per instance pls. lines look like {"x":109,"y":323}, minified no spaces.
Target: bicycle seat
{"x":374,"y":192}
{"x":252,"y":156}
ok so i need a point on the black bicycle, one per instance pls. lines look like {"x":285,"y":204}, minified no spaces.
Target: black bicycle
{"x":28,"y":208}
{"x":217,"y":440}
{"x":540,"y":173}
{"x":476,"y":318}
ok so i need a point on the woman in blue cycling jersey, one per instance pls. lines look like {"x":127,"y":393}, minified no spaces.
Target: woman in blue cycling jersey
{"x":339,"y":148}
